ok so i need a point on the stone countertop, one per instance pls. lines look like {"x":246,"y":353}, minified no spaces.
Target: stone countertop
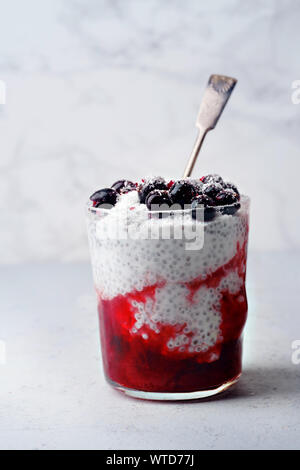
{"x":53,"y":394}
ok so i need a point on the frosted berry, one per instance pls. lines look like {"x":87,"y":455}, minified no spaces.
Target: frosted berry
{"x":204,"y":200}
{"x":212,"y":190}
{"x":183,"y":192}
{"x":151,"y":185}
{"x":107,"y":196}
{"x":212,"y":179}
{"x":226,"y":197}
{"x":158,"y":198}
{"x":209,"y":210}
{"x":123,"y":186}
{"x":233,"y":187}
{"x":230,"y":210}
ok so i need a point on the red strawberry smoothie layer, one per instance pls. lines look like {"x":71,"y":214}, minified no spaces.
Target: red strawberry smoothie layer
{"x":143,"y":360}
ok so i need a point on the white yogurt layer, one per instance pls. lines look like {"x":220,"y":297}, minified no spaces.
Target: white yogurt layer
{"x":125,"y":265}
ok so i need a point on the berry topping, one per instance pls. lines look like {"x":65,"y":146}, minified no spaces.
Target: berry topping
{"x":158,"y":198}
{"x":230,"y":210}
{"x":107,"y":196}
{"x":123,"y":186}
{"x":226,"y":197}
{"x":209,"y":211}
{"x":212,"y":179}
{"x":210,"y":193}
{"x":209,"y":214}
{"x":198,"y":185}
{"x":203,"y":200}
{"x":212,"y":190}
{"x":234,"y":188}
{"x":182,"y":193}
{"x":151,"y":185}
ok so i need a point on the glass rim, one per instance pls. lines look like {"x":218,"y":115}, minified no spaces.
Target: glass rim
{"x":244,"y":201}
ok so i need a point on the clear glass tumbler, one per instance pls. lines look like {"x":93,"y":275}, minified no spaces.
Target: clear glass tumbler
{"x":171,"y":313}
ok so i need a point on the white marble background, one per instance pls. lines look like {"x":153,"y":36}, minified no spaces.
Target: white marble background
{"x":98,"y":90}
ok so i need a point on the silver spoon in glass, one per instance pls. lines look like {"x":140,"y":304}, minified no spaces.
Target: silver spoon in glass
{"x":216,"y":95}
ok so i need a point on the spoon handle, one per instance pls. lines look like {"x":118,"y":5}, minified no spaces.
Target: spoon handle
{"x":192,"y":160}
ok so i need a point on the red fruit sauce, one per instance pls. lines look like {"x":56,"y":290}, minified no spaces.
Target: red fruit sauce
{"x":144,"y":362}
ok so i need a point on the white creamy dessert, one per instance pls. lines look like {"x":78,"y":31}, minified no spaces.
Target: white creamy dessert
{"x":124,"y":265}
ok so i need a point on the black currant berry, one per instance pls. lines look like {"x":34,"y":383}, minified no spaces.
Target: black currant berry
{"x":209,"y":210}
{"x":158,"y":198}
{"x":233,"y":187}
{"x":183,"y":192}
{"x":212,"y":179}
{"x":107,"y":196}
{"x":149,"y":186}
{"x":212,"y":190}
{"x":123,"y":186}
{"x":226,"y":197}
{"x":203,"y":200}
{"x":230,"y":210}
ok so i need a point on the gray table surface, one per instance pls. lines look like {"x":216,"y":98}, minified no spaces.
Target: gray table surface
{"x":53,"y":394}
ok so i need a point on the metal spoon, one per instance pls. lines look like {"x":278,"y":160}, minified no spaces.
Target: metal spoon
{"x":216,"y":95}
